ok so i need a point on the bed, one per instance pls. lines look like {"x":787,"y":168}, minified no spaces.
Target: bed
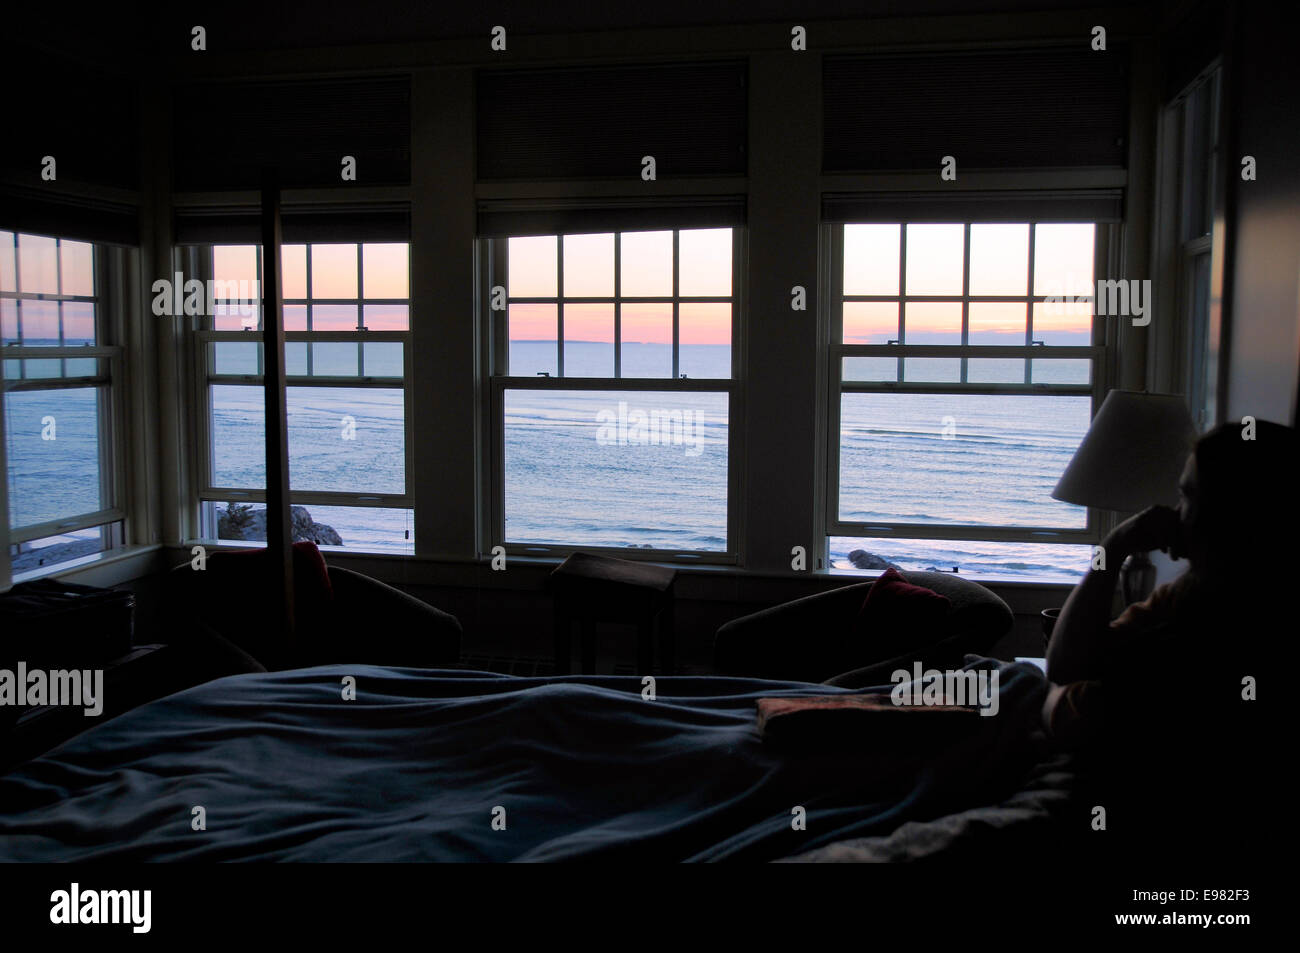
{"x":445,"y":765}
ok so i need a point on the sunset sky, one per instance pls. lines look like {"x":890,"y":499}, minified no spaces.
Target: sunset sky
{"x":999,"y":266}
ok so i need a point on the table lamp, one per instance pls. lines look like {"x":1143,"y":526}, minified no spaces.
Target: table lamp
{"x":1131,"y":458}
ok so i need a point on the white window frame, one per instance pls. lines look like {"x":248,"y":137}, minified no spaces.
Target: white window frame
{"x":107,"y":263}
{"x":206,"y":495}
{"x":1096,"y":352}
{"x":493,"y":256}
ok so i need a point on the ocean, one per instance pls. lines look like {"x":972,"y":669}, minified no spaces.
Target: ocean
{"x":610,"y":468}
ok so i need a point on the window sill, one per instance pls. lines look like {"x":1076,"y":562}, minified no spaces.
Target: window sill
{"x":90,"y":563}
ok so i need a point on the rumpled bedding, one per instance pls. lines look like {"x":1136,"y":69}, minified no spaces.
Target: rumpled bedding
{"x":443,"y":765}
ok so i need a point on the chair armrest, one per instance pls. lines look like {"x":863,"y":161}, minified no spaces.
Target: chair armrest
{"x":799,"y":640}
{"x":383,"y":625}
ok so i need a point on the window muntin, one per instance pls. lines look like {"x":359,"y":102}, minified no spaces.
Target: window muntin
{"x":347,"y":321}
{"x":613,"y":389}
{"x":965,"y":374}
{"x":57,"y":402}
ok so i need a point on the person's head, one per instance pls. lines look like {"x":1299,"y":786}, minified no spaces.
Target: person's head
{"x":1238,"y":496}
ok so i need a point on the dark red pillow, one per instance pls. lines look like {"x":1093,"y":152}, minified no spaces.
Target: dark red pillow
{"x":897,"y":617}
{"x":311,"y":577}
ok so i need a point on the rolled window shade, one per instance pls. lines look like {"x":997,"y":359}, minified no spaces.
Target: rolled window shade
{"x":227,"y":133}
{"x":84,"y":115}
{"x":989,"y":110}
{"x":1083,"y":205}
{"x":241,"y":225}
{"x":601,"y":121}
{"x":499,"y":219}
{"x":41,"y":212}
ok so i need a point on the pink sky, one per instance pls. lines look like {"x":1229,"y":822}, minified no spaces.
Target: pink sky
{"x":999,"y":256}
{"x":999,"y":266}
{"x":384,"y":273}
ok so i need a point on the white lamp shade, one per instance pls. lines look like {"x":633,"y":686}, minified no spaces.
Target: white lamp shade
{"x":1132,"y":455}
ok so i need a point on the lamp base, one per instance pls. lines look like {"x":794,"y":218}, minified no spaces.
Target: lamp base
{"x":1137,"y":578}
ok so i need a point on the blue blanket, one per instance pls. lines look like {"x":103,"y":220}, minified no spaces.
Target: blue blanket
{"x":471,"y":766}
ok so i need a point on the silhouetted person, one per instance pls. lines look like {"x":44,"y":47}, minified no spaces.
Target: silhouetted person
{"x":1158,"y":699}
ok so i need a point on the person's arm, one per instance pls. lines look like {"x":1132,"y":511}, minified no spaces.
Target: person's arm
{"x":1074,"y":653}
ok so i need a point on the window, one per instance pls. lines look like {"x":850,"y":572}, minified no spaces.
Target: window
{"x":612,"y":389}
{"x":964,"y":367}
{"x":347,"y":352}
{"x":1191,"y":140}
{"x":58,"y":448}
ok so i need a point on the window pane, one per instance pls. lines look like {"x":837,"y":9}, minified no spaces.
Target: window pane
{"x":237,"y":263}
{"x":77,"y":261}
{"x":1063,"y":259}
{"x":997,"y":466}
{"x":936,"y":322}
{"x":295,"y":317}
{"x":236,"y":357}
{"x":33,"y":370}
{"x":976,"y":558}
{"x":333,"y":317}
{"x":934,"y":259}
{"x":8,"y":321}
{"x":870,"y":322}
{"x":78,"y":322}
{"x":1061,"y":372}
{"x":589,"y":338}
{"x":241,"y":315}
{"x":238,"y":429}
{"x":999,"y":259}
{"x":386,"y":270}
{"x":39,"y":321}
{"x":293,"y":277}
{"x":38,"y":270}
{"x":647,"y":264}
{"x":335,"y":360}
{"x":1063,"y":323}
{"x":532,"y":334}
{"x":364,"y":529}
{"x":997,"y":323}
{"x":871,"y":259}
{"x":382,"y":359}
{"x":704,"y":336}
{"x":334,"y":271}
{"x":589,"y":266}
{"x":8,"y":262}
{"x":52,"y":441}
{"x":931,"y":370}
{"x":610,"y":468}
{"x":343,"y":439}
{"x":532,"y":267}
{"x":295,"y":358}
{"x":347,"y":439}
{"x":56,"y":550}
{"x":647,"y":340}
{"x":996,"y":370}
{"x":870,"y":369}
{"x":387,"y":317}
{"x":704,"y":262}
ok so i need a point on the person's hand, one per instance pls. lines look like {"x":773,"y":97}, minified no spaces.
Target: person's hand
{"x":1156,"y":527}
